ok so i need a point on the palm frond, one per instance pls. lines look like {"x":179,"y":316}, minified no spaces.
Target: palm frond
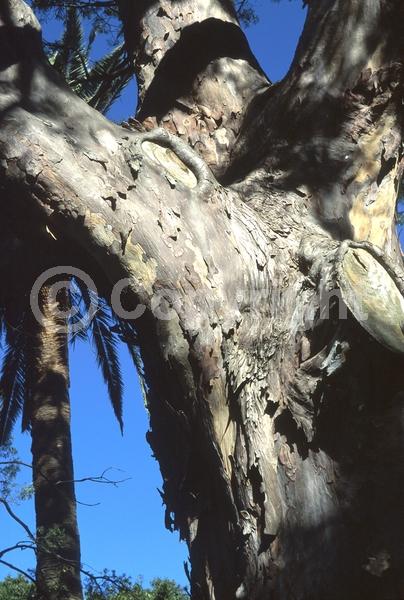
{"x":107,"y":79}
{"x":104,"y":339}
{"x":13,"y":389}
{"x":99,"y":85}
{"x":95,"y":29}
{"x":79,"y":302}
{"x":105,"y":342}
{"x":78,"y":70}
{"x":128,"y":336}
{"x":68,"y":59}
{"x":2,"y":326}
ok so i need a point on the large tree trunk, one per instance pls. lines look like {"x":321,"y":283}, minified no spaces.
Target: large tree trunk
{"x":58,"y":542}
{"x":277,"y":422}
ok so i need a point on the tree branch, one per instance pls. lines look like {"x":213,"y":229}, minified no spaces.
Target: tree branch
{"x":348,"y":69}
{"x":17,"y":519}
{"x":18,"y":546}
{"x":15,"y":462}
{"x":17,"y":570}
{"x":93,"y":479}
{"x":100,"y":479}
{"x":196,"y":72}
{"x":90,"y":180}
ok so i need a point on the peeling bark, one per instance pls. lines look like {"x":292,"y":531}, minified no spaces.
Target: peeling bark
{"x":196,"y":72}
{"x":275,"y":417}
{"x":333,"y":127}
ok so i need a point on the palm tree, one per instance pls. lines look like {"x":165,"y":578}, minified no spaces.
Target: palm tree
{"x":100,"y":83}
{"x":34,"y":380}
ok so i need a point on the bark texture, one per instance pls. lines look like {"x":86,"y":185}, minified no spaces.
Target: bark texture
{"x":196,"y":72}
{"x":58,"y":542}
{"x":276,"y":417}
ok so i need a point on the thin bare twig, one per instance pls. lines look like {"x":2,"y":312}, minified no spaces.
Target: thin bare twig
{"x":99,"y":479}
{"x":17,"y":519}
{"x":96,"y":479}
{"x":14,"y":568}
{"x":17,"y":546}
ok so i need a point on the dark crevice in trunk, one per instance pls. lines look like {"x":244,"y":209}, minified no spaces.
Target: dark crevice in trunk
{"x":199,"y":45}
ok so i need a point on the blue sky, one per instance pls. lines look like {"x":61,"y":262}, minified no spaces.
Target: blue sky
{"x":126,"y":531}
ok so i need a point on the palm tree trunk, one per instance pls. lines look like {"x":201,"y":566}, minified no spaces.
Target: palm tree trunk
{"x":58,"y":547}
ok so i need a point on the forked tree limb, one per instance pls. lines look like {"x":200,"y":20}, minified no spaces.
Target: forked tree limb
{"x":195,"y":70}
{"x":333,"y":127}
{"x":88,"y":178}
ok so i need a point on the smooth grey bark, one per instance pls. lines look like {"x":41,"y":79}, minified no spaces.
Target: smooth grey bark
{"x":278,"y":428}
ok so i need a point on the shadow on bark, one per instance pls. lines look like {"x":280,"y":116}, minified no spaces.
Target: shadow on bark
{"x":199,"y":45}
{"x":306,"y":130}
{"x":18,"y":46}
{"x":349,"y":546}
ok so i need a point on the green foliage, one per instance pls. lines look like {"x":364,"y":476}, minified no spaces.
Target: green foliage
{"x":163,"y":589}
{"x":16,"y":588}
{"x":8,"y":470}
{"x":27,"y":492}
{"x":99,"y":84}
{"x":13,"y":389}
{"x":109,"y":587}
{"x":103,"y":12}
{"x":105,"y":332}
{"x":105,"y":342}
{"x":113,"y":587}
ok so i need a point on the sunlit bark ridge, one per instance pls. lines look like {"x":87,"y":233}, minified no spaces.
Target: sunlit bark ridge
{"x":277,"y":428}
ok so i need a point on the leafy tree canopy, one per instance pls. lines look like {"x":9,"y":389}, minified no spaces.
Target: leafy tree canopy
{"x":101,"y":11}
{"x":112,"y":587}
{"x":16,"y":588}
{"x":8,"y":470}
